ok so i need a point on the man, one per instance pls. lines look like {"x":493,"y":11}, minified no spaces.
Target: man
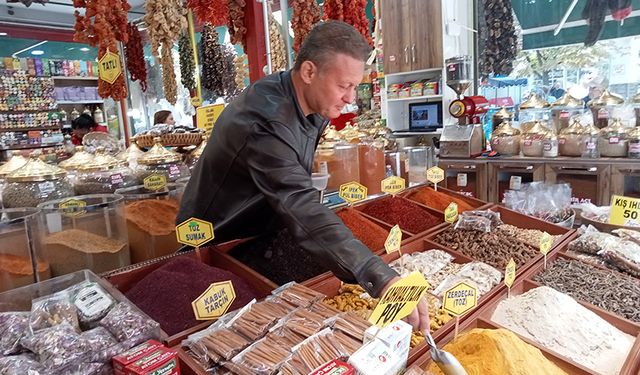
{"x":556,"y":90}
{"x":255,"y":170}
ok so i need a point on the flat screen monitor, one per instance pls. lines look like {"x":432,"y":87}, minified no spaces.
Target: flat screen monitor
{"x":425,"y":116}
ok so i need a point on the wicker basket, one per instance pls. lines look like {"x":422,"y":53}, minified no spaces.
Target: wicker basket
{"x":171,"y":140}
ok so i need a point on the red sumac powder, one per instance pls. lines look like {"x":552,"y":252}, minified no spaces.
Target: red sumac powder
{"x":409,"y":216}
{"x":166,"y":293}
{"x":363,"y":229}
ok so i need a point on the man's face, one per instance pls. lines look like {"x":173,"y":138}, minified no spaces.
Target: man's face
{"x":334,"y":85}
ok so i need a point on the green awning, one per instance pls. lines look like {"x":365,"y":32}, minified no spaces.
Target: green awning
{"x":538,"y":19}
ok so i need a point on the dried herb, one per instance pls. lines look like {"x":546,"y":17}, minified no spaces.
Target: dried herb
{"x":135,"y":57}
{"x":235,"y":22}
{"x":187,"y":63}
{"x":306,"y":13}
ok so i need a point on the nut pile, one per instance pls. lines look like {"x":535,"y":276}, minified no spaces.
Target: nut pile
{"x":351,"y":297}
{"x":530,"y":237}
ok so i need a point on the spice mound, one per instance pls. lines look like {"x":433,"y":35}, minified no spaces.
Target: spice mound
{"x":559,"y":323}
{"x":372,"y":235}
{"x":17,"y":271}
{"x":409,"y":216}
{"x":498,"y":352}
{"x":151,"y":225}
{"x":166,"y":293}
{"x":439,"y":200}
{"x":74,"y":249}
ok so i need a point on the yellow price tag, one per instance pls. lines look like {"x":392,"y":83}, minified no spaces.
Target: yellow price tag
{"x":510,"y":273}
{"x":624,"y":211}
{"x":215,"y":301}
{"x":109,"y":67}
{"x":352,"y":192}
{"x":435,"y":174}
{"x":399,"y":300}
{"x":451,"y":213}
{"x":460,"y":299}
{"x":155,"y":182}
{"x":392,"y":244}
{"x":72,"y":207}
{"x":196,"y":101}
{"x":194,"y":232}
{"x":393,"y":185}
{"x":207,"y":116}
{"x":546,"y":242}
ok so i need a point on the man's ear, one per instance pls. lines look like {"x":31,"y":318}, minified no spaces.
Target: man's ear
{"x":308,"y":71}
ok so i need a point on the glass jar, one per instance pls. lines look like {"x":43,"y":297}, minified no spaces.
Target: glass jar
{"x":602,"y":108}
{"x":339,"y":161}
{"x":417,"y":164}
{"x":531,"y":141}
{"x":14,"y":162}
{"x":506,"y":140}
{"x":563,"y":109}
{"x":151,"y":217}
{"x":398,"y":163}
{"x":590,"y":142}
{"x":193,"y":157}
{"x":372,"y":165}
{"x":78,"y":159}
{"x":105,"y":174}
{"x":613,"y":140}
{"x":571,"y":139}
{"x":160,"y":161}
{"x":20,"y":261}
{"x":633,"y":136}
{"x":533,"y":109}
{"x":131,"y":155}
{"x":86,"y":231}
{"x":500,"y":117}
{"x":34,"y":183}
{"x":635,"y":101}
{"x":550,"y":145}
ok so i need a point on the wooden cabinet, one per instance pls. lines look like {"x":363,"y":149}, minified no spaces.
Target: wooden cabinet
{"x":412,"y":35}
{"x":589,"y":183}
{"x":625,"y":180}
{"x":505,"y":176}
{"x":466,"y":177}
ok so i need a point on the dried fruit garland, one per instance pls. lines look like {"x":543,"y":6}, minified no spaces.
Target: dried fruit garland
{"x":242,"y":71}
{"x":306,"y":13}
{"x":333,"y":10}
{"x":166,"y":21}
{"x":218,"y":69}
{"x":134,"y":54}
{"x":214,"y":12}
{"x":278,"y":48}
{"x":103,"y":24}
{"x":235,"y":22}
{"x":352,"y":12}
{"x":187,"y":63}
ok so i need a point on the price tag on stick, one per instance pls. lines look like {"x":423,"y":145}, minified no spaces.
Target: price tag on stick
{"x":510,"y":275}
{"x":194,"y":232}
{"x":460,"y":299}
{"x":393,"y":185}
{"x":399,"y":300}
{"x":435,"y":175}
{"x":352,"y":192}
{"x":451,"y":213}
{"x":393,"y":241}
{"x":546,"y":242}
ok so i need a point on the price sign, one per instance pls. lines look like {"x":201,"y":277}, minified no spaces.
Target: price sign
{"x":546,"y":241}
{"x":510,"y":273}
{"x":194,"y":232}
{"x":399,"y":300}
{"x":460,"y":299}
{"x":72,"y":207}
{"x":352,"y":192}
{"x":109,"y":68}
{"x":393,"y":185}
{"x":394,"y":239}
{"x":435,"y":175}
{"x":155,"y":182}
{"x":624,"y":211}
{"x":206,"y":116}
{"x":451,"y":213}
{"x":461,"y":180}
{"x":515,"y":182}
{"x":215,"y":301}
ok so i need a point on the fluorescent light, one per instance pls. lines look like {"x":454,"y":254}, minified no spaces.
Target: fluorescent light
{"x":15,"y":54}
{"x":3,"y":34}
{"x":71,"y":49}
{"x":84,"y":49}
{"x":37,"y":52}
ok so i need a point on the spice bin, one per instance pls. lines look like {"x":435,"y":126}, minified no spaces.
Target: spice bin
{"x":532,"y":140}
{"x":14,"y":162}
{"x":506,"y":140}
{"x":339,"y":160}
{"x":150,"y":217}
{"x":396,"y":164}
{"x":372,"y":165}
{"x":467,"y":177}
{"x":19,"y":253}
{"x":533,"y":110}
{"x":590,"y":142}
{"x":418,"y":161}
{"x":625,"y":180}
{"x":77,"y":160}
{"x":500,"y":117}
{"x":570,"y":141}
{"x":86,"y":231}
{"x":34,"y":183}
{"x":603,"y":106}
{"x":563,"y":109}
{"x":633,"y":137}
{"x":131,"y":154}
{"x":104,"y":174}
{"x":160,"y":161}
{"x":510,"y":175}
{"x":613,"y":140}
{"x":589,"y":183}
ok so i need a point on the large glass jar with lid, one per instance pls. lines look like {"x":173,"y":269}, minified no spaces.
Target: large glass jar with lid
{"x":79,"y":158}
{"x":635,"y":102}
{"x":500,"y":117}
{"x":563,"y":109}
{"x":193,"y":157}
{"x":339,"y":160}
{"x":103,"y":175}
{"x":602,"y":108}
{"x":571,"y":139}
{"x":34,"y":183}
{"x":613,"y":140}
{"x":372,"y":165}
{"x":590,"y":142}
{"x":532,"y":140}
{"x":533,"y":109}
{"x":633,"y":136}
{"x":161,"y":162}
{"x":131,"y":154}
{"x":506,"y":139}
{"x":14,"y":162}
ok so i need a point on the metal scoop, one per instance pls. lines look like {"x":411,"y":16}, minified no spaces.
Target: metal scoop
{"x":445,"y":360}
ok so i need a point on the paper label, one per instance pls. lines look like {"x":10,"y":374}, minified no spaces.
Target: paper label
{"x":460,"y":299}
{"x":562,"y":141}
{"x":352,"y":192}
{"x":510,"y":273}
{"x":462,"y":180}
{"x":194,"y":232}
{"x":624,"y":211}
{"x":46,"y":187}
{"x":614,"y":140}
{"x":435,"y":174}
{"x":393,"y":185}
{"x":72,"y":207}
{"x":109,"y":68}
{"x":116,"y":179}
{"x":215,"y":301}
{"x":603,"y":114}
{"x":564,"y":115}
{"x":155,"y":182}
{"x":92,"y":301}
{"x":515,"y":182}
{"x":591,"y":145}
{"x":324,"y":167}
{"x":392,"y":244}
{"x":451,"y":213}
{"x":546,"y":242}
{"x":399,"y":300}
{"x":174,"y":170}
{"x":528,"y":142}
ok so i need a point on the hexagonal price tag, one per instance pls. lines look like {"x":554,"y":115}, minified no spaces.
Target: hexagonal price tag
{"x":194,"y":232}
{"x":352,"y":192}
{"x":510,"y":273}
{"x":393,"y":240}
{"x":435,"y":175}
{"x":155,"y":182}
{"x":393,"y":185}
{"x":546,"y":242}
{"x":460,"y":299}
{"x":109,"y":67}
{"x":72,"y":207}
{"x":215,"y":301}
{"x":451,"y":213}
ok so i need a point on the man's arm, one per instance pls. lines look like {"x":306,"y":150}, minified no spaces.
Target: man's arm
{"x":275,"y":169}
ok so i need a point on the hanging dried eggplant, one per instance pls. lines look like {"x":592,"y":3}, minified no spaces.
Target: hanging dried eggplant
{"x":229,"y":86}
{"x":235,"y":22}
{"x":501,"y":44}
{"x":212,"y":60}
{"x":306,"y":13}
{"x":134,"y":54}
{"x":187,"y":63}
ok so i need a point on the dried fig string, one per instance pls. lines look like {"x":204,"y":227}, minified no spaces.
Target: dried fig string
{"x":134,"y":54}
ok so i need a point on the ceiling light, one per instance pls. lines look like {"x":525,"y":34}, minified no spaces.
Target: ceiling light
{"x":3,"y":34}
{"x":71,"y":49}
{"x":37,"y":52}
{"x":84,"y":49}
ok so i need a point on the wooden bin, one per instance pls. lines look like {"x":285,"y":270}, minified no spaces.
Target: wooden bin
{"x":625,"y":180}
{"x":589,"y":182}
{"x":501,"y":174}
{"x":473,"y":202}
{"x":467,"y":177}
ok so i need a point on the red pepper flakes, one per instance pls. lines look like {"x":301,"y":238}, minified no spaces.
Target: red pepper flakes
{"x":371,"y":234}
{"x":438,"y":200}
{"x":166,"y":293}
{"x":409,"y":216}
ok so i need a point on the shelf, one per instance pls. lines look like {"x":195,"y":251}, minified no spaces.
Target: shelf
{"x":27,"y":110}
{"x":415,"y":98}
{"x":63,"y":102}
{"x":27,"y":147}
{"x":76,"y":78}
{"x":9,"y":130}
{"x":433,"y":70}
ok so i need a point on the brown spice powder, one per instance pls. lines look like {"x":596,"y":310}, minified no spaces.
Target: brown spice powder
{"x":154,"y":216}
{"x":18,"y":265}
{"x":85,"y":242}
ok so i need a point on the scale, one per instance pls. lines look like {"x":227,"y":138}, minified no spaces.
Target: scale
{"x":465,"y":139}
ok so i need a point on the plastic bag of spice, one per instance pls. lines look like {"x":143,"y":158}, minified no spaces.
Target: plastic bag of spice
{"x":127,"y":324}
{"x":477,"y":223}
{"x":52,"y":310}
{"x":255,"y":320}
{"x":349,"y":323}
{"x":628,"y":234}
{"x":23,"y":364}
{"x":56,"y":347}
{"x":92,"y":303}
{"x":593,"y":241}
{"x":263,"y":357}
{"x":314,"y":352}
{"x":218,"y":342}
{"x":297,"y":294}
{"x":13,"y":326}
{"x":102,"y":345}
{"x":625,"y":255}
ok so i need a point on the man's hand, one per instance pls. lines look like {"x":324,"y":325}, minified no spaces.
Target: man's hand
{"x":419,"y":317}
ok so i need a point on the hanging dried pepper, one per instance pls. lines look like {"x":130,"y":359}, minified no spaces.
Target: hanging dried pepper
{"x":356,"y":16}
{"x":306,"y":13}
{"x":135,"y":57}
{"x":187,"y":64}
{"x":214,"y":12}
{"x":103,"y":24}
{"x":235,"y":23}
{"x":333,"y":10}
{"x":166,"y":21}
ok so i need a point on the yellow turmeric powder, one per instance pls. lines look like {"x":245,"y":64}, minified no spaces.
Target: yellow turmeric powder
{"x":497,"y":352}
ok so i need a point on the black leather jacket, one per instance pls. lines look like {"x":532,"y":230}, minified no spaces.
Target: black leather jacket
{"x":254,"y":174}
